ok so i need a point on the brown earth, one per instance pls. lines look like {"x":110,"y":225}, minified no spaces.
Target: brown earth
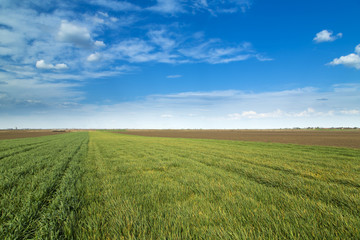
{"x":12,"y":134}
{"x":337,"y":138}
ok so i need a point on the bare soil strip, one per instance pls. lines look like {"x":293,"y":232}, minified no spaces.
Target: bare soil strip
{"x":12,"y":134}
{"x":337,"y":138}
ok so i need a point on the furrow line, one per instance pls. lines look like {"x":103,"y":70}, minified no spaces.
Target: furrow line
{"x":18,"y":152}
{"x":346,"y":205}
{"x":27,"y":221}
{"x":344,"y":182}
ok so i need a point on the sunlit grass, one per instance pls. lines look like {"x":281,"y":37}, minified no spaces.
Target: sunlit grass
{"x":39,"y":186}
{"x":112,"y":186}
{"x":143,"y":187}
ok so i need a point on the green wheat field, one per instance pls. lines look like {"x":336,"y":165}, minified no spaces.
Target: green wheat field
{"x":103,"y":185}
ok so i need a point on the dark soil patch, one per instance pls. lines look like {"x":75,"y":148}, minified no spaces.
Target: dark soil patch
{"x":337,"y":138}
{"x":12,"y":134}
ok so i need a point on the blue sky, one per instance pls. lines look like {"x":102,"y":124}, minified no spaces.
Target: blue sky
{"x":179,"y":64}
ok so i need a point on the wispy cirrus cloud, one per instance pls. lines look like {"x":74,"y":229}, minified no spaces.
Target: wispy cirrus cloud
{"x":50,"y":50}
{"x":162,"y":38}
{"x":167,"y":6}
{"x":309,"y":112}
{"x":137,"y":50}
{"x":37,"y":43}
{"x":43,"y":35}
{"x":351,"y":112}
{"x":214,"y":109}
{"x":164,"y":46}
{"x":174,"y":7}
{"x":174,"y":76}
{"x":212,"y":52}
{"x":116,"y":5}
{"x":290,"y":103}
{"x":221,"y":7}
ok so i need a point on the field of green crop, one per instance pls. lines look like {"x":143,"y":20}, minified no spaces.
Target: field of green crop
{"x":102,"y":185}
{"x":40,"y":190}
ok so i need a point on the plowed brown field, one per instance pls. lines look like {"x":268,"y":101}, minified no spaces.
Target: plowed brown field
{"x":338,"y":138}
{"x":12,"y":134}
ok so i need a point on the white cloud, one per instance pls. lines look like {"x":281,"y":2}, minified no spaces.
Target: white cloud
{"x":99,"y":44}
{"x":351,"y":112}
{"x":93,"y":57}
{"x":167,"y":6}
{"x":137,"y":50}
{"x":103,"y":14}
{"x":230,"y":59}
{"x":61,"y":66}
{"x":347,"y":87}
{"x":161,"y":48}
{"x":351,"y":60}
{"x":305,"y":113}
{"x":133,"y":50}
{"x":74,"y":34}
{"x":174,"y":76}
{"x":75,"y":39}
{"x":298,"y":103}
{"x":326,"y":36}
{"x":357,"y":49}
{"x":32,"y":41}
{"x":215,"y":7}
{"x":218,"y":109}
{"x":42,"y":65}
{"x":253,"y":115}
{"x":174,"y":7}
{"x":309,"y":112}
{"x":21,"y":92}
{"x":116,"y":5}
{"x":22,"y":26}
{"x":98,"y":22}
{"x":114,"y":19}
{"x":198,"y":95}
{"x":212,"y":52}
{"x":158,"y":37}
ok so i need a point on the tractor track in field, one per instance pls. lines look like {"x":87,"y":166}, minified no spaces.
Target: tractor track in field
{"x":19,"y":152}
{"x":288,"y":188}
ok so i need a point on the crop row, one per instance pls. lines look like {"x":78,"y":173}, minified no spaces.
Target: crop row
{"x":103,"y":185}
{"x":35,"y":183}
{"x":156,"y":188}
